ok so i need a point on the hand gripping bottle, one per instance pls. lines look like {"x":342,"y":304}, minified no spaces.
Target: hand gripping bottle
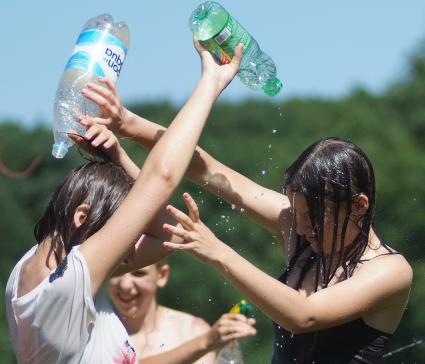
{"x":232,"y":352}
{"x":100,"y":51}
{"x":220,"y":33}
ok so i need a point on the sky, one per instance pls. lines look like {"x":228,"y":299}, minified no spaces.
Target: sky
{"x":321,"y":48}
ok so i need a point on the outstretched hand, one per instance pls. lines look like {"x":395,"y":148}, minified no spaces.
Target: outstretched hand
{"x":112,"y":113}
{"x":222,"y":73}
{"x":198,"y":239}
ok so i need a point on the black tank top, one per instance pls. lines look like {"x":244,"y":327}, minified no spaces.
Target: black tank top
{"x":351,"y":343}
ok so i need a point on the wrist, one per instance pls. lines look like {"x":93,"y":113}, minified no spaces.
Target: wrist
{"x":211,"y":83}
{"x":127,"y":122}
{"x":223,"y":257}
{"x":205,"y":343}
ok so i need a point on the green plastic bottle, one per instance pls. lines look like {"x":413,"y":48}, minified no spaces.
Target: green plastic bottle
{"x":220,"y":33}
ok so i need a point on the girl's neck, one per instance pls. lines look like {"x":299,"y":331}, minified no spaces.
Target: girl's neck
{"x":49,"y":253}
{"x":37,"y":267}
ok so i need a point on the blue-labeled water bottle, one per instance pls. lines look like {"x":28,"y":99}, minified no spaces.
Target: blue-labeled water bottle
{"x":100,"y":51}
{"x":220,"y":33}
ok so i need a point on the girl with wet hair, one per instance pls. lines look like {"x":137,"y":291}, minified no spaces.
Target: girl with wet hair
{"x":344,"y":290}
{"x":96,"y":218}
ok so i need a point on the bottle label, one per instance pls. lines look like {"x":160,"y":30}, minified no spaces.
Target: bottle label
{"x":223,"y":45}
{"x":98,"y":52}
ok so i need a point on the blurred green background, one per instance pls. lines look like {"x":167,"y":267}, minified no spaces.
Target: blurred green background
{"x":259,"y":139}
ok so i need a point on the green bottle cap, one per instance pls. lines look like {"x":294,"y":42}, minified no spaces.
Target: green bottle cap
{"x":207,"y":20}
{"x":272,"y":86}
{"x":244,"y":308}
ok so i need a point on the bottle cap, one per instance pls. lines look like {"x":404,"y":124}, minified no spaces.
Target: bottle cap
{"x":207,"y":20}
{"x":59,"y":150}
{"x":244,"y":308}
{"x":272,"y":86}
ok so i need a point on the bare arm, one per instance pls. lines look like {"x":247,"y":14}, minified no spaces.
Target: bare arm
{"x":149,"y":249}
{"x":377,"y":285}
{"x":160,"y":175}
{"x":265,"y":206}
{"x":201,"y":349}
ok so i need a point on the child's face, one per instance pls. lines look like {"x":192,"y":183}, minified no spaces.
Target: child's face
{"x":133,"y":292}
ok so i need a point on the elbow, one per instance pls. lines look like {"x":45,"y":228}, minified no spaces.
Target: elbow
{"x":167,"y":177}
{"x":305,"y":322}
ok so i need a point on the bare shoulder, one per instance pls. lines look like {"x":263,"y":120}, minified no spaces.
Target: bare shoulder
{"x":394,"y":269}
{"x":184,"y":320}
{"x":199,"y":325}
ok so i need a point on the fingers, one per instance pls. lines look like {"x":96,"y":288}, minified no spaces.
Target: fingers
{"x":174,"y":247}
{"x":105,"y":97}
{"x":237,"y":58}
{"x":89,"y":121}
{"x":100,"y":135}
{"x":180,"y":217}
{"x":109,"y":92}
{"x":233,"y":326}
{"x":237,"y":317}
{"x":109,"y":84}
{"x":75,"y":137}
{"x":101,"y":99}
{"x":192,"y":207}
{"x":174,"y":230}
{"x":198,"y":46}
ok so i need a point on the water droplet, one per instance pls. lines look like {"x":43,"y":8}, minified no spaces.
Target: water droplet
{"x":274,"y":131}
{"x":233,"y":206}
{"x":263,"y":172}
{"x":270,"y":146}
{"x":242,"y":209}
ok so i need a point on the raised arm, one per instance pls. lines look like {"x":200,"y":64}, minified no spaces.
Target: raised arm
{"x":159,"y":176}
{"x":265,"y":206}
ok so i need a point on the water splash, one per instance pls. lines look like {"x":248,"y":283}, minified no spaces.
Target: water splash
{"x":405,"y":347}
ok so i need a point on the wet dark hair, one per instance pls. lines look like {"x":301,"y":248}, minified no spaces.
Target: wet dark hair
{"x":100,"y":185}
{"x":336,"y":171}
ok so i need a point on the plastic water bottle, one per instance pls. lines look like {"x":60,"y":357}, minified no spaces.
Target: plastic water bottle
{"x":100,"y":51}
{"x":232,"y":352}
{"x":220,"y":33}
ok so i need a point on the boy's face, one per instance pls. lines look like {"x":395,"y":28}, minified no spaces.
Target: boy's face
{"x":133,"y":292}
